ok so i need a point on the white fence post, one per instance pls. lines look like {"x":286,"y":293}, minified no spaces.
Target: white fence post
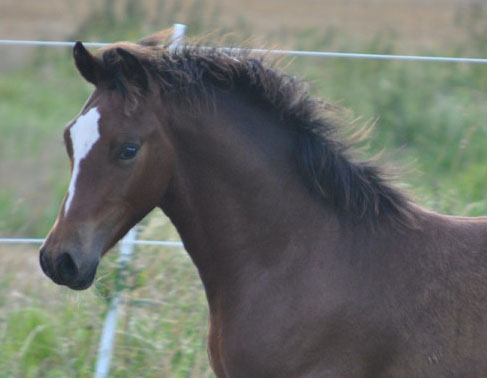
{"x":109,"y":326}
{"x":178,"y":31}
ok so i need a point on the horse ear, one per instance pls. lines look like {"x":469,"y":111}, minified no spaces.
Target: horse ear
{"x":132,"y":69}
{"x":89,"y":66}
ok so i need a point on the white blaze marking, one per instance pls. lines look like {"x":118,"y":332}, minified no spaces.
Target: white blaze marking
{"x":84,"y":133}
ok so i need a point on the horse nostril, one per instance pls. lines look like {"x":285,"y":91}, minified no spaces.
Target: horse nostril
{"x":67,"y":268}
{"x":43,"y":262}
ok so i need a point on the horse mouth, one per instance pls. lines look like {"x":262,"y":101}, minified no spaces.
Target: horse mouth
{"x":81,"y":283}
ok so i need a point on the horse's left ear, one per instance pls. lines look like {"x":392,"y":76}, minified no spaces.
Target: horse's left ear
{"x":89,"y":66}
{"x":132,"y":69}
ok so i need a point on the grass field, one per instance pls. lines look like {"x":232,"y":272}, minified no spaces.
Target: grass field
{"x":429,"y":119}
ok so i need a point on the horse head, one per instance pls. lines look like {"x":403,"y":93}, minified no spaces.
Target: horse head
{"x":121,"y":164}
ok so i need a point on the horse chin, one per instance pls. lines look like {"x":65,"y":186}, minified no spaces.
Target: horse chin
{"x":81,"y":284}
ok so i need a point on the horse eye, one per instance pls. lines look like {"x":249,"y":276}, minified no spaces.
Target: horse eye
{"x":128,"y":151}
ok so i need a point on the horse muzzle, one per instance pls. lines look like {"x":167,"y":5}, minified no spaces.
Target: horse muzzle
{"x":68,"y":269}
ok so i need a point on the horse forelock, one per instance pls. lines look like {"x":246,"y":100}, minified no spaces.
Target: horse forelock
{"x":186,"y":78}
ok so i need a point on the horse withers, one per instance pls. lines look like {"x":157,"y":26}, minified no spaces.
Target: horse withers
{"x":313,"y":264}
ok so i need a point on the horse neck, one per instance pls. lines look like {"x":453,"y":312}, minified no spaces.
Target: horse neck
{"x":237,"y":198}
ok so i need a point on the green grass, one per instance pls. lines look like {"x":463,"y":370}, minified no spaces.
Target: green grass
{"x":37,"y":101}
{"x":430,"y":118}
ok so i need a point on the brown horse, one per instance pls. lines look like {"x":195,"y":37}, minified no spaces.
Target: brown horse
{"x":313,"y":264}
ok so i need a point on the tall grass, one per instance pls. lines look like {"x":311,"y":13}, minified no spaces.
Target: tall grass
{"x":430,"y":115}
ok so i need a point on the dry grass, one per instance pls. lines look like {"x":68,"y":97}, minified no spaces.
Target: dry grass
{"x":416,"y":24}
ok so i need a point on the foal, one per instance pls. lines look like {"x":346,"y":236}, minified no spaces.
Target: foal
{"x":313,"y":265}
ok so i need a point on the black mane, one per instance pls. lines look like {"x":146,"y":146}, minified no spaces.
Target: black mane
{"x":189,"y":73}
